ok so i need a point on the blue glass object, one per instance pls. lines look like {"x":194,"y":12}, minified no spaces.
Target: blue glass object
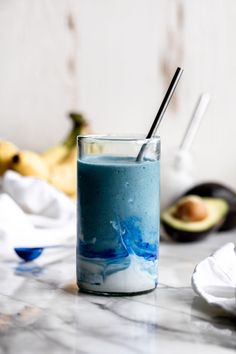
{"x":29,"y":254}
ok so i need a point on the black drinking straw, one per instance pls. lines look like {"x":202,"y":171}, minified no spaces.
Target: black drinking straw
{"x":161,"y":111}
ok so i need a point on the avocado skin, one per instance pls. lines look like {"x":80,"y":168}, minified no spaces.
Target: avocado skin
{"x":217,"y":190}
{"x":185,"y":236}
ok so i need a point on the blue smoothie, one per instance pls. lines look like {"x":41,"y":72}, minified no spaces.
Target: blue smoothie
{"x":118,"y":224}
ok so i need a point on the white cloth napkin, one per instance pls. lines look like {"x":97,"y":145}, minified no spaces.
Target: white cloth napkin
{"x":214,"y":278}
{"x":33,"y":213}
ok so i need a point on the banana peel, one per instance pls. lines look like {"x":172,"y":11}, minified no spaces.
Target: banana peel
{"x":7,"y":150}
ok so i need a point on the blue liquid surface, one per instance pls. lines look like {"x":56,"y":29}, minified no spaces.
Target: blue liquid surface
{"x":118,"y":207}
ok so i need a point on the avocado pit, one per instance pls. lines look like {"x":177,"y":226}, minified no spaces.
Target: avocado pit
{"x":190,"y":209}
{"x":218,"y":190}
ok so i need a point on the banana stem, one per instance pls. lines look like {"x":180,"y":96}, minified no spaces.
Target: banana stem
{"x":79,"y":123}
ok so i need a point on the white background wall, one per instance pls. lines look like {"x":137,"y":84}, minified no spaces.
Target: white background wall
{"x":112,"y":60}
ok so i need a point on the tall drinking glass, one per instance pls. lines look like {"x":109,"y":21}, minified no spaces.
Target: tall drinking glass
{"x":118,"y":214}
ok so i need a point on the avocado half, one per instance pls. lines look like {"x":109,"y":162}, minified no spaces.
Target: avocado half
{"x":190,"y":231}
{"x":217,"y":190}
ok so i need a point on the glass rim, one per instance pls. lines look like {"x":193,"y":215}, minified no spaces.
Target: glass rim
{"x":119,"y":138}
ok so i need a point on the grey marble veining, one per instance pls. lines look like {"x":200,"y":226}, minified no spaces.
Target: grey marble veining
{"x":42,"y":312}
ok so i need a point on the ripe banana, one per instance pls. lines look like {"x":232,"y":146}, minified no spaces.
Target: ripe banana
{"x":63,"y":175}
{"x":55,"y":154}
{"x":29,"y":163}
{"x":59,"y":152}
{"x":7,"y":150}
{"x":57,"y":165}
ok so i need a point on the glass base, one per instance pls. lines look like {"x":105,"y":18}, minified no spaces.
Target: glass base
{"x":102,"y":293}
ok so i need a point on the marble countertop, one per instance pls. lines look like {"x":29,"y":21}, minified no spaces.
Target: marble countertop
{"x":41,"y":311}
